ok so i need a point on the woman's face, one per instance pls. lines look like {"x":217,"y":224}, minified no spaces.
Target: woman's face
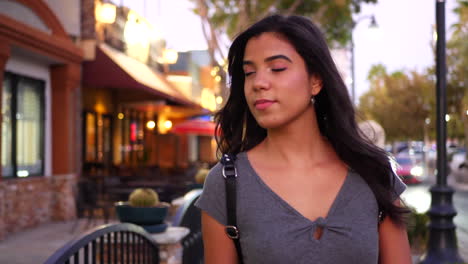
{"x":277,"y":85}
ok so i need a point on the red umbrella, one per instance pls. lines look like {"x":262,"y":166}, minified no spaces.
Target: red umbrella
{"x":195,"y":126}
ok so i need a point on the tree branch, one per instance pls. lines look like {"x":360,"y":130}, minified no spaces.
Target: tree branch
{"x":293,"y":7}
{"x":267,"y":11}
{"x":203,"y":11}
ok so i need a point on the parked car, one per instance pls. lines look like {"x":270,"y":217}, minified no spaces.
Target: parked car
{"x":458,"y":165}
{"x":409,"y":171}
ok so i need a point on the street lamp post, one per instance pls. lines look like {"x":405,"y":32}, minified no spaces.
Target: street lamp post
{"x":373,"y":24}
{"x":442,"y":245}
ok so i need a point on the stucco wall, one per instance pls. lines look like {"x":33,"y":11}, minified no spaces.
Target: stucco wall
{"x":24,"y":14}
{"x":68,"y":12}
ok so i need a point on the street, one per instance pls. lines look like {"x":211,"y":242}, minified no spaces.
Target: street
{"x":419,"y":197}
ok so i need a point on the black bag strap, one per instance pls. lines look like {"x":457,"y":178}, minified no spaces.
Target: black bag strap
{"x":230,"y":175}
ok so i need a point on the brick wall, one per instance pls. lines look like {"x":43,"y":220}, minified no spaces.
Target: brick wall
{"x":27,"y":203}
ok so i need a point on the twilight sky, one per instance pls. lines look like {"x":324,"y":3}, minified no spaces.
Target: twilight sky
{"x":401,"y":42}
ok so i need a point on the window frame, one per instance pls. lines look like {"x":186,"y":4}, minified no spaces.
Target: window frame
{"x":40,"y":88}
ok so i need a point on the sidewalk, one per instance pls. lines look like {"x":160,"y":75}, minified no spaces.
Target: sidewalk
{"x":34,"y":246}
{"x":462,"y":227}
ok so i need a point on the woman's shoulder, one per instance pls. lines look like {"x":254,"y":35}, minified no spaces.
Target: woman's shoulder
{"x":397,"y":187}
{"x":215,"y":175}
{"x":216,"y":172}
{"x":358,"y":186}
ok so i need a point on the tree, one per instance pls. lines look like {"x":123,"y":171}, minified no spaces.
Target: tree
{"x":457,"y":71}
{"x":400,"y":102}
{"x":233,"y":16}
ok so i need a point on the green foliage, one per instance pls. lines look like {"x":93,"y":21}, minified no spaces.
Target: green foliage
{"x":417,"y":230}
{"x":457,"y":77}
{"x":143,"y":197}
{"x":400,"y":102}
{"x":334,"y":16}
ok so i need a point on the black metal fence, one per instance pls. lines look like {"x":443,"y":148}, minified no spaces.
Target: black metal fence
{"x":113,"y":243}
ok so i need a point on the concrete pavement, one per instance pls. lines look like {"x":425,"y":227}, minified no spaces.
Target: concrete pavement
{"x":34,"y":246}
{"x":419,"y":197}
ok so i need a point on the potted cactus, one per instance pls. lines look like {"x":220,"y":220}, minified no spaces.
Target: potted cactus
{"x":144,"y":208}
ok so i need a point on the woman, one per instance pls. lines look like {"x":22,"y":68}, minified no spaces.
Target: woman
{"x":309,"y":185}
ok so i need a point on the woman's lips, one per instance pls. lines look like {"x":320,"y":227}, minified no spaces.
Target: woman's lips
{"x":263,"y":104}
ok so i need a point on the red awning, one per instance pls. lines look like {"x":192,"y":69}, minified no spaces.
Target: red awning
{"x":196,"y":127}
{"x":113,"y":69}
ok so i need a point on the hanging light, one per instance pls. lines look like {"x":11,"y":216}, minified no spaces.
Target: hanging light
{"x":219,"y":100}
{"x":105,"y":13}
{"x":150,"y":124}
{"x":168,"y":124}
{"x":170,"y":56}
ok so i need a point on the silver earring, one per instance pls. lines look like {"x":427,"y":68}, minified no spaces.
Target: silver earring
{"x":312,"y":100}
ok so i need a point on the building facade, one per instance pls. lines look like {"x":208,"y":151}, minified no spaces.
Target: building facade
{"x":131,"y":96}
{"x":40,"y":72}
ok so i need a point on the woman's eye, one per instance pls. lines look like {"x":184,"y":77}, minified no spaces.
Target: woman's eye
{"x":248,"y":73}
{"x":278,"y":69}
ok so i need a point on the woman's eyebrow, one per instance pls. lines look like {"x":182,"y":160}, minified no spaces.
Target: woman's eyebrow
{"x":275,"y":57}
{"x":271,"y":58}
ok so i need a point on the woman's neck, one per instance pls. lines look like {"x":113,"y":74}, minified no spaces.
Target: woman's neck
{"x":296,"y":144}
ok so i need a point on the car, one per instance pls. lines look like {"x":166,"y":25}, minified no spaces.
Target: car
{"x":409,"y":171}
{"x":458,"y":164}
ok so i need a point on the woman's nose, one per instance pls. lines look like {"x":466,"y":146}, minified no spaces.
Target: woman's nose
{"x":261,"y":82}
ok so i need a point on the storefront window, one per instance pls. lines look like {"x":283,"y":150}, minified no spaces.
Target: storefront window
{"x":132,"y":138}
{"x":98,"y":138}
{"x":107,"y":138}
{"x":22,"y":126}
{"x":126,"y":139}
{"x":90,"y":137}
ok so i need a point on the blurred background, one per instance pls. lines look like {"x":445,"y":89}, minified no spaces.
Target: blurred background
{"x":100,"y":97}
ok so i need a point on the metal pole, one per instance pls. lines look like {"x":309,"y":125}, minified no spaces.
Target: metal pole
{"x":442,"y":245}
{"x":441,"y":95}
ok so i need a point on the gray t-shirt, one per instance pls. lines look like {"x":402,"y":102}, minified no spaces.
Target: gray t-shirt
{"x":272,"y":231}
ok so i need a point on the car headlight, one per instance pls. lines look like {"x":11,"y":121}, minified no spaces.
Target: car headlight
{"x":417,"y":171}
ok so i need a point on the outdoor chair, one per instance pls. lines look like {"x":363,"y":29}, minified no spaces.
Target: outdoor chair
{"x":113,"y":243}
{"x":190,"y":216}
{"x":89,"y":203}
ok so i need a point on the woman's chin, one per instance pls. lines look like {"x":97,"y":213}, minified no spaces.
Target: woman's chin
{"x":270,"y":124}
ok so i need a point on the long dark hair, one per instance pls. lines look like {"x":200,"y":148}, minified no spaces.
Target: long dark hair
{"x":237,"y":129}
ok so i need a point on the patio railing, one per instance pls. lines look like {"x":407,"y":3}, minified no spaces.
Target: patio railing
{"x":113,"y":243}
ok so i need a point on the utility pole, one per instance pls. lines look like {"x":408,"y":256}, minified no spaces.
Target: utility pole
{"x":442,"y":245}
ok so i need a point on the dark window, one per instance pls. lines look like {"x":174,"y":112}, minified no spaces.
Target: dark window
{"x":22,"y":126}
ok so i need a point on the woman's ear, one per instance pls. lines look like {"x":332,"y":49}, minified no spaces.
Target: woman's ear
{"x":316,"y":84}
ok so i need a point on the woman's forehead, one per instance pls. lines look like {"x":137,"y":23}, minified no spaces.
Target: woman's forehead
{"x":268,"y":44}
